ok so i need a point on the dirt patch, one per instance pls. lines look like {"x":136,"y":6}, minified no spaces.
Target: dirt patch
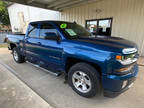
{"x":4,"y":45}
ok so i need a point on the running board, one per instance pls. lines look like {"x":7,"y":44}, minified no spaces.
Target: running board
{"x":37,"y":66}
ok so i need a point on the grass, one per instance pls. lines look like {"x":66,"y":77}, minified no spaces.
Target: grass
{"x":3,"y":45}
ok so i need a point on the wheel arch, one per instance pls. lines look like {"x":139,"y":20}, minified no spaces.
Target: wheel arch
{"x":12,"y":45}
{"x":70,"y":61}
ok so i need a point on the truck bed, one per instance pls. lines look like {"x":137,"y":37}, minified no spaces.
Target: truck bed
{"x":13,"y":38}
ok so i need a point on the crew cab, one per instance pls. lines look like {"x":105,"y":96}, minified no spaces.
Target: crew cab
{"x":92,"y":63}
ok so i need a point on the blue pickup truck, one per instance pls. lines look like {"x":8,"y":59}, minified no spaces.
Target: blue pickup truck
{"x":92,"y":63}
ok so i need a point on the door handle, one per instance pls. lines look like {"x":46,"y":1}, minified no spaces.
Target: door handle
{"x":39,"y":43}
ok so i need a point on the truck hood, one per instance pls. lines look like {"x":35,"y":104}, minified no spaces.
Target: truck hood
{"x":114,"y":44}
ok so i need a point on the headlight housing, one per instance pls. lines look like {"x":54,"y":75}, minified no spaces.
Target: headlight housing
{"x":126,"y":60}
{"x":129,"y":56}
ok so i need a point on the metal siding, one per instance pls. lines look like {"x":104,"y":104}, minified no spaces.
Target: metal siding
{"x":128,"y":16}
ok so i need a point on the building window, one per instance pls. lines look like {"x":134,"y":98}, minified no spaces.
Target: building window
{"x":100,"y":26}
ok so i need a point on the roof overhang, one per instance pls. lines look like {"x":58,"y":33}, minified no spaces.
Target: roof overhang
{"x":57,"y":5}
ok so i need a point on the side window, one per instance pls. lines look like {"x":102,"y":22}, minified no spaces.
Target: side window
{"x":33,"y":31}
{"x":47,"y":30}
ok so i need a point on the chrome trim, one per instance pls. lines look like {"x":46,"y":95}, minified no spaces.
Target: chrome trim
{"x":37,"y":66}
{"x":15,"y":56}
{"x":129,"y":50}
{"x":128,"y":61}
{"x":81,"y":81}
{"x":127,"y":69}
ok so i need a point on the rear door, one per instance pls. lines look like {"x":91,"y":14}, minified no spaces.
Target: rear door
{"x":50,"y":51}
{"x":32,"y":43}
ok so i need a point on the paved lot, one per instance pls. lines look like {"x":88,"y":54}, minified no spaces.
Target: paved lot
{"x":60,"y":95}
{"x":15,"y":94}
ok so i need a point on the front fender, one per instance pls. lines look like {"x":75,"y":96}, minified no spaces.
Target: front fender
{"x":101,"y":58}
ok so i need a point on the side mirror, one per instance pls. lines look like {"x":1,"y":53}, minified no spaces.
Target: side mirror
{"x":94,"y":33}
{"x":52,"y":36}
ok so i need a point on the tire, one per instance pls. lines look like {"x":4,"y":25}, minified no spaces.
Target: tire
{"x":17,"y":57}
{"x":92,"y":75}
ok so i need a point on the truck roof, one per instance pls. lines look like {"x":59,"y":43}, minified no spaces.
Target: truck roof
{"x":48,"y":21}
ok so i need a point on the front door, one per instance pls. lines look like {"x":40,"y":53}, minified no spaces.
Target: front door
{"x":50,"y":51}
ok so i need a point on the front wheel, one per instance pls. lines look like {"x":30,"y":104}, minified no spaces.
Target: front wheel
{"x":84,"y":80}
{"x":17,"y":57}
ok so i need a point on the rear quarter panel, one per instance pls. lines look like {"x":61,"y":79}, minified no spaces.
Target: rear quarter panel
{"x":16,"y":40}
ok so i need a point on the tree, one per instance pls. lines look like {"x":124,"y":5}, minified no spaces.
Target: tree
{"x":4,"y":17}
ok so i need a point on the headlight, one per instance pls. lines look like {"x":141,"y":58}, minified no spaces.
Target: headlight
{"x":126,"y":59}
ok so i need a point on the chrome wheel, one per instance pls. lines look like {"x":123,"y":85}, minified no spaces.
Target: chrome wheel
{"x":81,"y":81}
{"x":15,"y":54}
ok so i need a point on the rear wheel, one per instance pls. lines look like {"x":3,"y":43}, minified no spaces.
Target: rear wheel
{"x":84,"y":80}
{"x":17,"y":57}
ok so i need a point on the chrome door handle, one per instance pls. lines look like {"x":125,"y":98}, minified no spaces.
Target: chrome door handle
{"x":39,"y":43}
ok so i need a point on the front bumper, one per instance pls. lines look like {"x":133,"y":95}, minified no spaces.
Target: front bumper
{"x":113,"y":84}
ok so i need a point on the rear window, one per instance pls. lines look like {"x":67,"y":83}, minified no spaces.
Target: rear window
{"x":45,"y":29}
{"x":33,"y":30}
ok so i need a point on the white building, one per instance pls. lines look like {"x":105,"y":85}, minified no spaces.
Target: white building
{"x":20,"y":15}
{"x":120,"y":18}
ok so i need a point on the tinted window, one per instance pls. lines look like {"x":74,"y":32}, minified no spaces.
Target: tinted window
{"x":33,"y":30}
{"x":46,"y":30}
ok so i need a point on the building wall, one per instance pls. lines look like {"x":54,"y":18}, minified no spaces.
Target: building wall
{"x":128,"y":17}
{"x":21,"y":15}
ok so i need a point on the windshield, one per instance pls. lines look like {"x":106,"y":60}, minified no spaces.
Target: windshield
{"x":72,"y":30}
